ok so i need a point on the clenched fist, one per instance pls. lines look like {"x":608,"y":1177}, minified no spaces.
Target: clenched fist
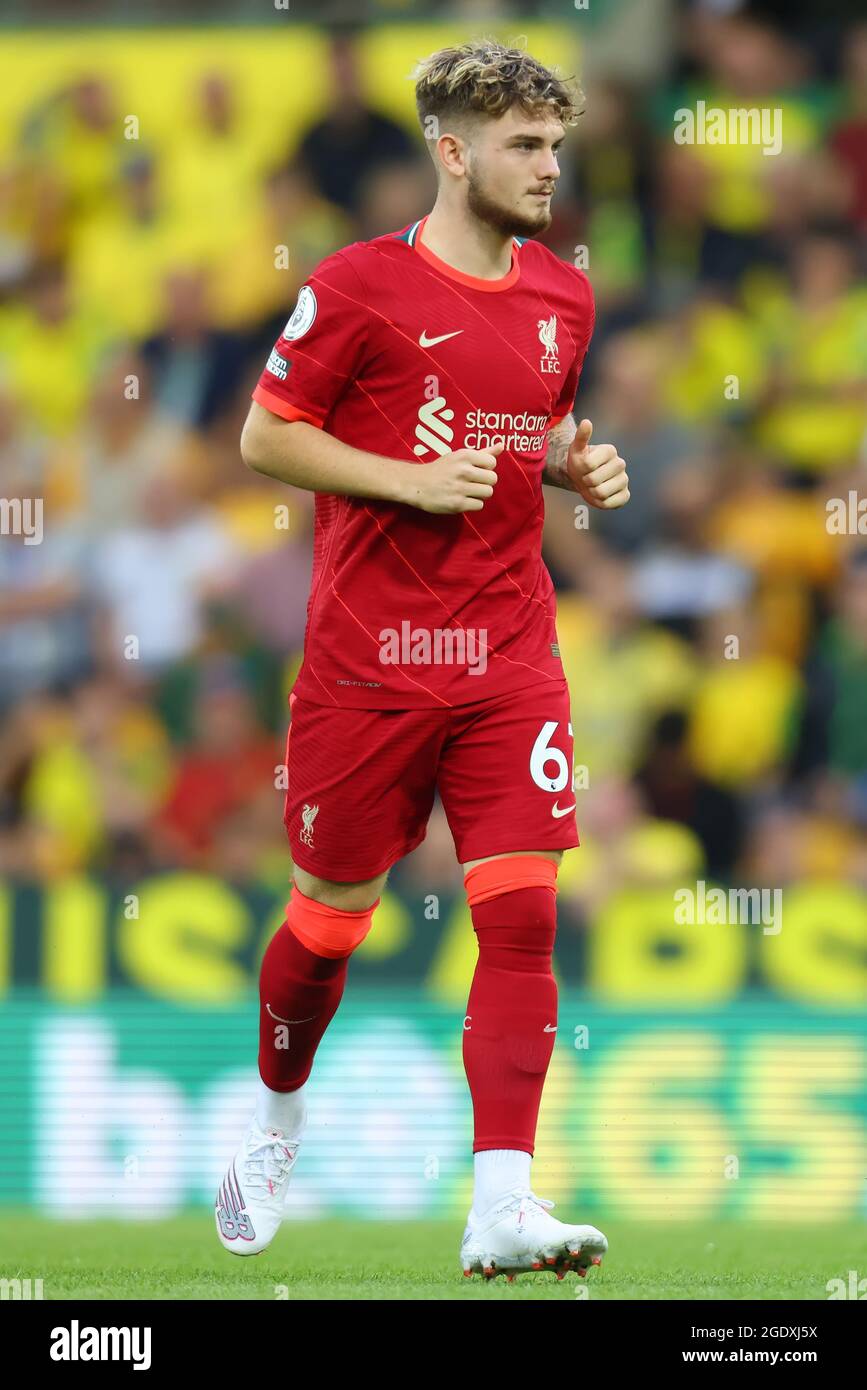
{"x":597,"y":471}
{"x":458,"y":482}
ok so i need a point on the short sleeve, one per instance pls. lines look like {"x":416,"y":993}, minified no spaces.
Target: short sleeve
{"x":320,"y":349}
{"x":585,"y":319}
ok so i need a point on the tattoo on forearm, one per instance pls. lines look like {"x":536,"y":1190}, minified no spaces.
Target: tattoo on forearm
{"x":554,"y":473}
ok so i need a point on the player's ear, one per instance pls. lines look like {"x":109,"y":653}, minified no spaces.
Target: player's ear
{"x":451,"y":154}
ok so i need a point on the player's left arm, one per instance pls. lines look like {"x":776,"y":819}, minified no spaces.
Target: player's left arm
{"x":596,"y":471}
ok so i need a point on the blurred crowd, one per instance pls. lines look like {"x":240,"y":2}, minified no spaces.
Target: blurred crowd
{"x":714,"y":633}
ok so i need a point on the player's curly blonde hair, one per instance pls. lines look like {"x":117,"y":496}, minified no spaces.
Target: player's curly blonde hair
{"x":485,"y":78}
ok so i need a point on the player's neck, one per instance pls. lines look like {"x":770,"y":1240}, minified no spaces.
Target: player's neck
{"x":467,"y":244}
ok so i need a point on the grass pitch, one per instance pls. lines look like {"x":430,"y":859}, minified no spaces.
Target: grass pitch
{"x":181,"y":1259}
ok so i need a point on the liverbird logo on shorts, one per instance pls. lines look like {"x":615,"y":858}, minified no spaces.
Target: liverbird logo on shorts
{"x":308,"y":816}
{"x":548,"y":339}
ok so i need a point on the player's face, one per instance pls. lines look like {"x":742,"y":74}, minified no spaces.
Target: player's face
{"x":512,"y":172}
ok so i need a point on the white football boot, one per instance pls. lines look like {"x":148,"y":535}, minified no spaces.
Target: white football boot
{"x":251,"y":1201}
{"x":516,"y":1234}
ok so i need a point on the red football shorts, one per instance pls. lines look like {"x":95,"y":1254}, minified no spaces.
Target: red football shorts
{"x":361,"y":782}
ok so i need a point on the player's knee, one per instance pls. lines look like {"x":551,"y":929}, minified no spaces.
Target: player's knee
{"x":513,"y":902}
{"x":501,"y":878}
{"x":329,"y":928}
{"x":350,"y":897}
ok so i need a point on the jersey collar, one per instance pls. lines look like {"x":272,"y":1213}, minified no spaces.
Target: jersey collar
{"x":474,"y":282}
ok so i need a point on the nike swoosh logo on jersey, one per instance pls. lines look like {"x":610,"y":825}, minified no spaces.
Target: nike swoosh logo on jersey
{"x":425,"y":341}
{"x":550,"y":1028}
{"x":557,"y":813}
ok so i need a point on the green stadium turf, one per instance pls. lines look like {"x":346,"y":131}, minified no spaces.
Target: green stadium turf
{"x":181,"y":1259}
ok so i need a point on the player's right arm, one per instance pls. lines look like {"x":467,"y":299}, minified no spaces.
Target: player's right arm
{"x":300,"y":453}
{"x":319,"y":354}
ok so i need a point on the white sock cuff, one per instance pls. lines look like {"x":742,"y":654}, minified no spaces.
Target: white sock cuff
{"x":284,"y":1110}
{"x":498,"y":1171}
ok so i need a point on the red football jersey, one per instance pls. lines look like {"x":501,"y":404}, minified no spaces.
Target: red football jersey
{"x":395,"y":352}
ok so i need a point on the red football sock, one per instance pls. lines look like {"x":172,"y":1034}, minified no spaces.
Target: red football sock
{"x":300,"y":988}
{"x":298,"y":996}
{"x":511,"y":1016}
